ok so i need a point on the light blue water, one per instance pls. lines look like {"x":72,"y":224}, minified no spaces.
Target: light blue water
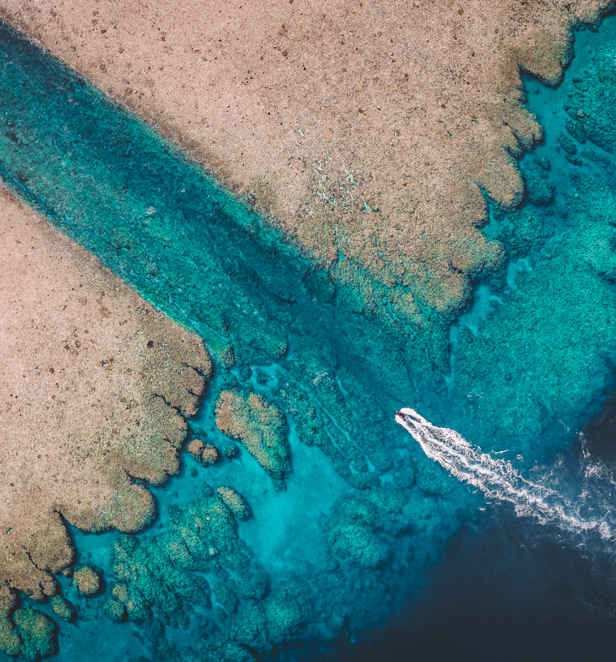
{"x":364,"y":514}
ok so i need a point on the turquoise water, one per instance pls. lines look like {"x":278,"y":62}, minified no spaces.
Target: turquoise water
{"x":343,"y":540}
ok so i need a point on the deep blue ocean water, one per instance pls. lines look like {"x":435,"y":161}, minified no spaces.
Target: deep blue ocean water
{"x":367,"y":531}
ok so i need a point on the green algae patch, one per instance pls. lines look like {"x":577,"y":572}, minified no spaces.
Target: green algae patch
{"x":260,"y":427}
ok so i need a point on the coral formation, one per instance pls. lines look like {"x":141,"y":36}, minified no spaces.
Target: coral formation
{"x":195,"y":448}
{"x":209,"y":454}
{"x":63,"y":608}
{"x":539,"y":190}
{"x":591,"y":117}
{"x":86,"y":580}
{"x":229,"y":450}
{"x":160,"y":575}
{"x":205,"y":453}
{"x":259,"y":425}
{"x":9,"y":638}
{"x":235,"y":502}
{"x":108,"y":380}
{"x":156,"y":575}
{"x":24,"y":632}
{"x":35,"y":631}
{"x":327,"y":365}
{"x":367,"y":135}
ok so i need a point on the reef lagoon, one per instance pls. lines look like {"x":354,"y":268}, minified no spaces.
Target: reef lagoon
{"x":305,"y":524}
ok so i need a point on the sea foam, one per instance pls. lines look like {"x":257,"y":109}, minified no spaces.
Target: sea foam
{"x":588,"y":510}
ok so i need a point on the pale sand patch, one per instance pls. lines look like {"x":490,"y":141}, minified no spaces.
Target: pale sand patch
{"x":319,"y":111}
{"x":94,"y":388}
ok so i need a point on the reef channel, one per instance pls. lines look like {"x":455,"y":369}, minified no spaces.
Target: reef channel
{"x":303,"y":517}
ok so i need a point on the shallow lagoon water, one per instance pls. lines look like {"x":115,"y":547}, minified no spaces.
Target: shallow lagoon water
{"x":365,"y":516}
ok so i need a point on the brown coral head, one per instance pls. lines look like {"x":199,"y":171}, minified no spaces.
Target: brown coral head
{"x":196,"y":447}
{"x":210,"y":454}
{"x":86,"y":580}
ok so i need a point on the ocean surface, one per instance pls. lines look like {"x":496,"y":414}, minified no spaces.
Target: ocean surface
{"x":510,"y":588}
{"x":359,"y":547}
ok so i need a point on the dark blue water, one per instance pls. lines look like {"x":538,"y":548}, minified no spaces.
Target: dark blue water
{"x":364,"y":523}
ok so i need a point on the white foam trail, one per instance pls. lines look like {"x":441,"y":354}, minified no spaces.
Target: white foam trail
{"x":499,"y":480}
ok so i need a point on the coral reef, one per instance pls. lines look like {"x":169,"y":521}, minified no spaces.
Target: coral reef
{"x":108,"y":379}
{"x":367,"y":135}
{"x":259,"y":425}
{"x":195,"y":448}
{"x":205,"y":453}
{"x":539,"y":190}
{"x":591,"y":117}
{"x":35,"y":631}
{"x":156,"y":573}
{"x":209,"y":454}
{"x":86,"y":580}
{"x":229,"y":450}
{"x":160,"y":575}
{"x":63,"y":608}
{"x":556,"y":304}
{"x":301,"y":357}
{"x":235,"y":502}
{"x":24,"y":632}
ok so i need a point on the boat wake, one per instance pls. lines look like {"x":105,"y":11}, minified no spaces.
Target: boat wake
{"x":590,"y":510}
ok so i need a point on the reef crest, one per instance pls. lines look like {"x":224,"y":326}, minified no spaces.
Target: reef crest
{"x":95,"y":386}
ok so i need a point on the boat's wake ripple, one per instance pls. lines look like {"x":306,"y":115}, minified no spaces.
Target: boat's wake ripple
{"x":589,"y":510}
